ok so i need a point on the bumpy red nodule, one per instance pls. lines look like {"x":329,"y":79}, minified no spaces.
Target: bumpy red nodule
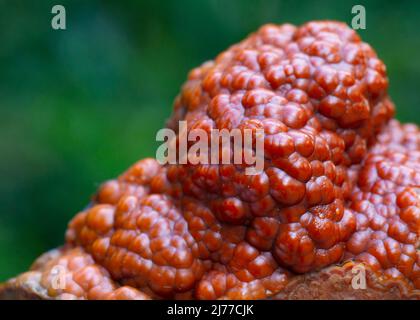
{"x":341,"y":180}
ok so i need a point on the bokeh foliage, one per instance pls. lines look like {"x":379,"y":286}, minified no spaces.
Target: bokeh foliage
{"x":79,"y":106}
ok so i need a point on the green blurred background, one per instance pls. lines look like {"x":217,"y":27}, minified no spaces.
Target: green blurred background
{"x":79,"y":106}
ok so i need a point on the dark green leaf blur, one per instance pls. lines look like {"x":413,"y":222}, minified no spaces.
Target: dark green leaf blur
{"x":79,"y":106}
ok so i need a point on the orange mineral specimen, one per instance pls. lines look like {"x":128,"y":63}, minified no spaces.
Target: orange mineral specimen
{"x":339,"y":190}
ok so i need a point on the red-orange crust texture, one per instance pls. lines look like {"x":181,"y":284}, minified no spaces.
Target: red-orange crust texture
{"x":340,"y":186}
